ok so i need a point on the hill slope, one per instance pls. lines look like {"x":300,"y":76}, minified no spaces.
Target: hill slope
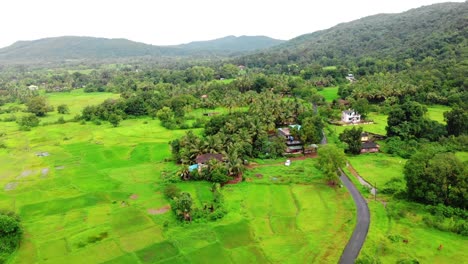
{"x":232,"y":44}
{"x":89,"y":48}
{"x":418,"y":33}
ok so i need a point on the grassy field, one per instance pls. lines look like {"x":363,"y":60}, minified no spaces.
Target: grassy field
{"x":90,"y":200}
{"x":436,"y":112}
{"x":378,"y":168}
{"x":377,"y":127}
{"x":330,"y":93}
{"x":76,"y":100}
{"x":394,"y":221}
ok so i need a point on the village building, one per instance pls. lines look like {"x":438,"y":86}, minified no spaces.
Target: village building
{"x":350,"y":116}
{"x":33,"y":88}
{"x":350,"y":77}
{"x":364,"y":136}
{"x":292,"y":145}
{"x":369,"y":147}
{"x":201,"y":161}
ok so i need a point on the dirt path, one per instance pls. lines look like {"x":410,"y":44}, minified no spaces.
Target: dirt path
{"x":360,"y":179}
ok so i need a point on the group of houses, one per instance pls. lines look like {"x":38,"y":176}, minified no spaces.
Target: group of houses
{"x":295,"y":146}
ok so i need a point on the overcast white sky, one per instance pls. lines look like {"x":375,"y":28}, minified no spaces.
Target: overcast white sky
{"x":164,"y":22}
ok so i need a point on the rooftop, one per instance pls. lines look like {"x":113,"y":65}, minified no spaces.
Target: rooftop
{"x":369,"y":145}
{"x":204,"y":158}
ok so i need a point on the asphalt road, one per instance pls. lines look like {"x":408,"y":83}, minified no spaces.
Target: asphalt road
{"x":352,"y":249}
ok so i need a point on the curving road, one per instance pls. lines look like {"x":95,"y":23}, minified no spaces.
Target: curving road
{"x":352,"y":249}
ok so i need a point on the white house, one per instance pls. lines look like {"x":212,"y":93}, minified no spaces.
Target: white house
{"x":33,"y":87}
{"x":350,"y":116}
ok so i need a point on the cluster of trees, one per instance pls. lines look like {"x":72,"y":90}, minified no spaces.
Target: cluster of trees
{"x":352,"y":139}
{"x":184,"y":209}
{"x":408,"y":121}
{"x":10,"y":234}
{"x":330,"y":160}
{"x":434,"y":178}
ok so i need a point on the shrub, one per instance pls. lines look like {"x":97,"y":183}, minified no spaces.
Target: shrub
{"x":63,"y":109}
{"x":10,"y":234}
{"x":171,"y":191}
{"x":26,"y":122}
{"x":60,"y":120}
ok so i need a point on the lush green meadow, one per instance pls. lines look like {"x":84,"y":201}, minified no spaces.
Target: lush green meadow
{"x":330,"y":93}
{"x":436,"y":112}
{"x":378,"y":168}
{"x":97,"y":197}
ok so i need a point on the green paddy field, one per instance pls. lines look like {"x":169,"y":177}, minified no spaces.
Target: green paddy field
{"x":94,"y":195}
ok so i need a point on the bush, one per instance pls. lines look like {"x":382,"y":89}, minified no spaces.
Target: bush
{"x":199,"y":123}
{"x":26,"y":122}
{"x":10,"y":118}
{"x":10,"y":234}
{"x":393,"y":186}
{"x":171,"y":191}
{"x":184,"y":126}
{"x":63,"y":109}
{"x":60,"y":120}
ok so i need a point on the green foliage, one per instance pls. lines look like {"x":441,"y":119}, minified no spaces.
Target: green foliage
{"x":63,"y":109}
{"x":38,"y":105}
{"x":352,"y":138}
{"x":408,"y":121}
{"x":28,"y":121}
{"x":457,"y":121}
{"x":114,"y":120}
{"x":361,"y":105}
{"x":182,"y":206}
{"x":440,"y":178}
{"x":330,"y":159}
{"x":171,"y":191}
{"x":10,"y":234}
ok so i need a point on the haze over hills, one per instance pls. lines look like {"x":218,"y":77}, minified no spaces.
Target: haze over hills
{"x":90,"y":48}
{"x":439,"y":30}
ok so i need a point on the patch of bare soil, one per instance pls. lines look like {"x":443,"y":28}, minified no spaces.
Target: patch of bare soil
{"x":134,"y":196}
{"x":235,"y":180}
{"x":25,"y":174}
{"x":44,"y":172}
{"x":11,"y":186}
{"x":258,"y":175}
{"x":162,"y":210}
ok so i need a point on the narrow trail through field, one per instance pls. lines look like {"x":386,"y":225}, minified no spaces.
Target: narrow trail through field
{"x":352,"y":249}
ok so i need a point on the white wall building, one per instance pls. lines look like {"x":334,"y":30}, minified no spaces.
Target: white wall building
{"x":350,"y":116}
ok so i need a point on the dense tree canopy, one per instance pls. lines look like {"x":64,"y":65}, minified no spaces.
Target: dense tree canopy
{"x":10,"y":235}
{"x":437,"y":178}
{"x":330,"y":159}
{"x":352,"y":138}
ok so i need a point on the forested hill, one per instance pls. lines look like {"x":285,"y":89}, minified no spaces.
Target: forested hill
{"x":231,"y":44}
{"x":439,"y":31}
{"x":88,"y":48}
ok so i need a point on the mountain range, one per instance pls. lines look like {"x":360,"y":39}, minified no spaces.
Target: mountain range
{"x":90,"y":48}
{"x":438,"y":30}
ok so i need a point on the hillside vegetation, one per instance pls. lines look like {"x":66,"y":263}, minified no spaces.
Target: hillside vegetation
{"x":90,"y":48}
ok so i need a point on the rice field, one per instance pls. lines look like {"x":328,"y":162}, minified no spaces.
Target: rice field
{"x":90,"y":199}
